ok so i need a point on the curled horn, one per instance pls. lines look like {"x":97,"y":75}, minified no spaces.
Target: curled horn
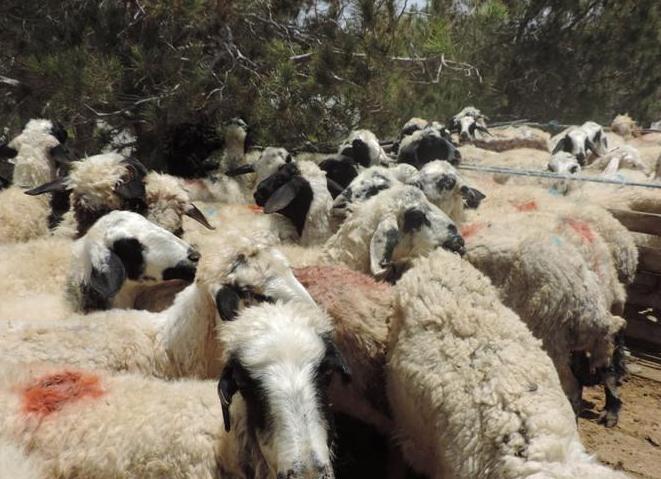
{"x":193,"y":212}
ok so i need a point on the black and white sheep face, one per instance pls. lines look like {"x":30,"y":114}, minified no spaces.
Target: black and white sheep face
{"x":424,"y":146}
{"x":257,"y":275}
{"x":575,"y":141}
{"x":363,"y":147}
{"x":441,"y":184}
{"x":268,"y":163}
{"x":286,"y":192}
{"x":596,"y":138}
{"x":281,"y":365}
{"x":367,"y":184}
{"x":125,"y":246}
{"x":415,"y":229}
{"x":564,"y":163}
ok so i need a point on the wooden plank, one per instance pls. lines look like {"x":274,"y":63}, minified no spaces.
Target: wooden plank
{"x":641,"y":328}
{"x":649,"y":259}
{"x":638,"y":221}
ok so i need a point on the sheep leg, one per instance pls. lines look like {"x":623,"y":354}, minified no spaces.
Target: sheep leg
{"x":610,"y":414}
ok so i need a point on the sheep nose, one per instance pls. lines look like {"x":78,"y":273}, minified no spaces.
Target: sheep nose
{"x":455,"y":244}
{"x":193,"y":256}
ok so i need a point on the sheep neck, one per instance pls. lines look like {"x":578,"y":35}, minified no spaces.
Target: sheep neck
{"x":187,"y":330}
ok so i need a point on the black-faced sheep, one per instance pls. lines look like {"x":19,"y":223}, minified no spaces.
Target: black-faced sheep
{"x":424,"y":146}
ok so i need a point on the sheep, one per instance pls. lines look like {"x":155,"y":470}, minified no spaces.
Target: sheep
{"x":38,"y":154}
{"x":624,"y":156}
{"x":471,"y":392}
{"x":299,"y":192}
{"x":109,"y":181}
{"x":467,"y":122}
{"x":624,"y":126}
{"x":578,"y":140}
{"x":544,"y":275}
{"x":340,"y":171}
{"x":176,"y":342}
{"x":564,"y":163}
{"x":119,"y":256}
{"x":416,"y":124}
{"x":439,"y":181}
{"x":364,"y":148}
{"x":277,"y":362}
{"x":385,"y":232}
{"x":361,"y":310}
{"x":426,"y":145}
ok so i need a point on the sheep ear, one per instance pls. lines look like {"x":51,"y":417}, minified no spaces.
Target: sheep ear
{"x":240,"y":170}
{"x":132,"y":187}
{"x":361,"y":152}
{"x":227,"y":387}
{"x":60,"y":155}
{"x":563,"y":145}
{"x":193,"y":212}
{"x":335,"y":361}
{"x":58,"y":184}
{"x":107,"y":276}
{"x":7,"y":152}
{"x":333,"y":188}
{"x":281,"y":198}
{"x":472,"y":197}
{"x":383,"y":245}
{"x":227,"y":303}
{"x":483,"y":129}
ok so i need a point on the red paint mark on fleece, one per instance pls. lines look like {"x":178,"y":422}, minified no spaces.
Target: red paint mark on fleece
{"x":470,"y":229}
{"x":582,"y":228}
{"x":52,"y":392}
{"x":255,"y":209}
{"x":526,"y":206}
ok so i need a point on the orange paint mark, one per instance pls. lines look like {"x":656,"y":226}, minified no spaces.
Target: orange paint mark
{"x":582,"y":228}
{"x":470,"y":229}
{"x":255,"y":209}
{"x":52,"y":392}
{"x":526,"y":206}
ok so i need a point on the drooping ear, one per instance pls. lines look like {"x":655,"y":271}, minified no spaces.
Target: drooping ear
{"x":283,"y":196}
{"x":227,"y":388}
{"x":563,"y":145}
{"x":60,"y":155}
{"x":472,"y":197}
{"x":383,"y":245}
{"x":59,"y":132}
{"x":240,"y":170}
{"x":333,"y":188}
{"x":227,"y":302}
{"x":413,"y":220}
{"x":58,"y":184}
{"x":334,"y":360}
{"x":7,"y":152}
{"x":108,"y":275}
{"x":193,"y":212}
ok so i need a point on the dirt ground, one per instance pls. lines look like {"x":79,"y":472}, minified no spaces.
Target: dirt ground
{"x":634,"y":445}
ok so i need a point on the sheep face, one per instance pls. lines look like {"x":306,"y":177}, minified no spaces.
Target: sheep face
{"x":281,"y":361}
{"x":416,"y":228}
{"x":121,"y":247}
{"x":424,"y":146}
{"x":363,"y":147}
{"x":574,"y":142}
{"x":288,"y":193}
{"x":596,"y":139}
{"x":413,"y":125}
{"x":339,"y":170}
{"x":367,"y":184}
{"x":564,"y":163}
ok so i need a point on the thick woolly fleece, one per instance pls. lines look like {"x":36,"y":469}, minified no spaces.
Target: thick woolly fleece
{"x":472,"y":393}
{"x":85,"y":423}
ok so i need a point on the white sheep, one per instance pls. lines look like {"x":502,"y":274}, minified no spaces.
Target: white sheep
{"x":471,"y":391}
{"x":624,"y":126}
{"x":272,"y":396}
{"x":176,"y":342}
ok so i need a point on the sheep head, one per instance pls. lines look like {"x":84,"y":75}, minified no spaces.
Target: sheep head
{"x":279,"y":359}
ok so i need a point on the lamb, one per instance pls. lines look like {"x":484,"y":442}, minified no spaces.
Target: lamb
{"x":364,"y":148}
{"x":37,"y":154}
{"x":384,"y":233}
{"x":176,"y":342}
{"x":278,"y":359}
{"x":578,"y":140}
{"x":299,"y":192}
{"x":426,"y":145}
{"x":109,"y":181}
{"x":471,"y":391}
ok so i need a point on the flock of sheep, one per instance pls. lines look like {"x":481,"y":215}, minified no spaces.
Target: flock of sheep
{"x":458,"y":314}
